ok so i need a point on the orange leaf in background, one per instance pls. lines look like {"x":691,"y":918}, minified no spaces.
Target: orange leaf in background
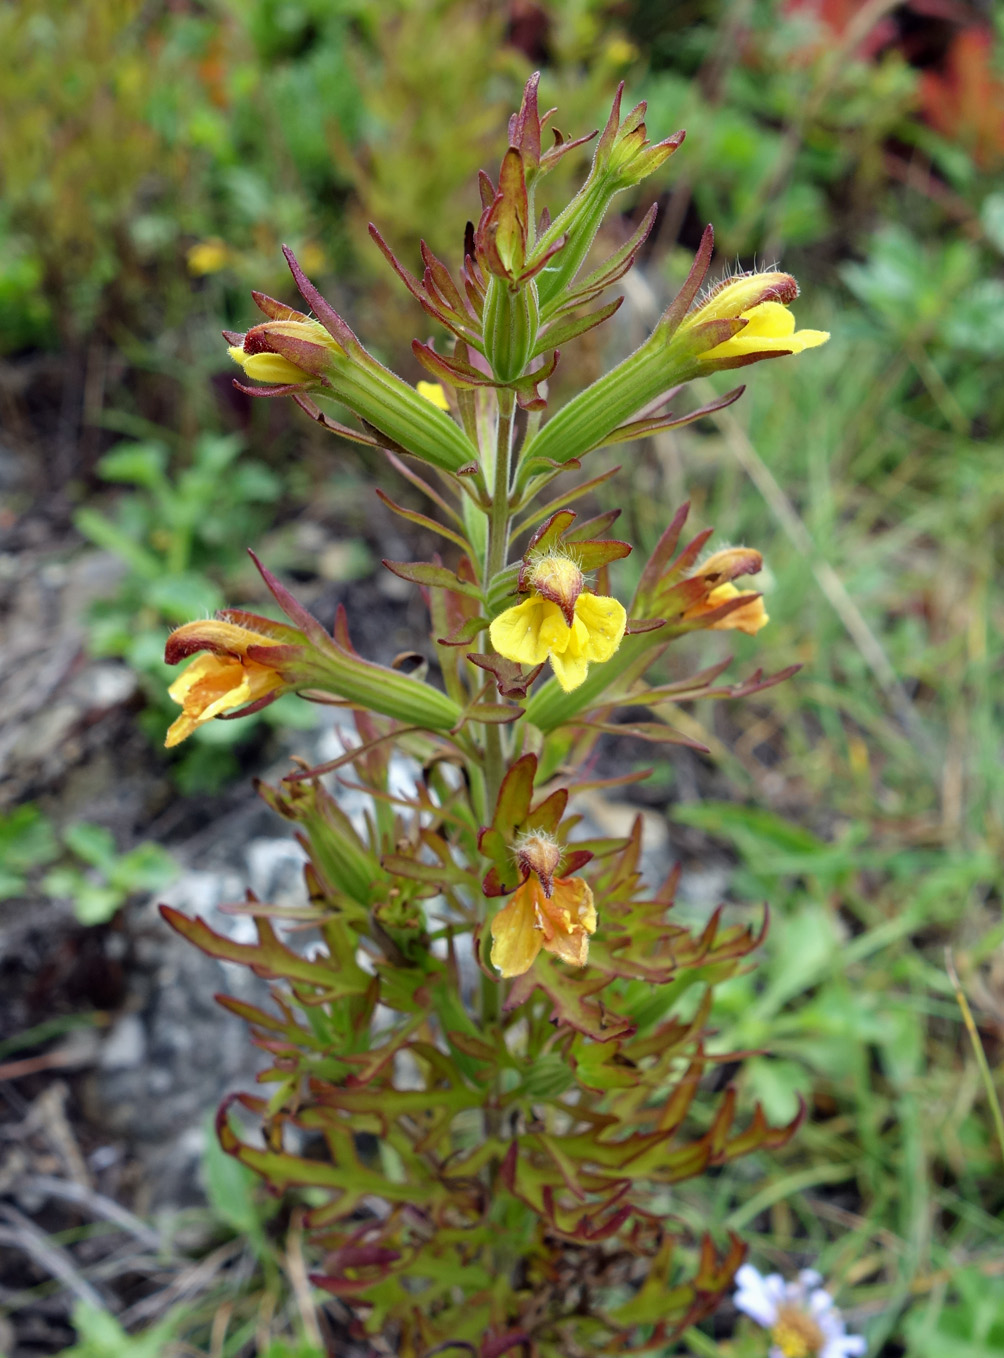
{"x":966,"y":101}
{"x":837,"y":16}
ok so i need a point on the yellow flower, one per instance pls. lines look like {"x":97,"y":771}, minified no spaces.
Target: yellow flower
{"x":258,"y":352}
{"x":224,"y":680}
{"x":535,"y":631}
{"x":560,"y":923}
{"x":770,"y":328}
{"x":620,"y":52}
{"x":559,"y":622}
{"x":432,"y":391}
{"x":761,"y":301}
{"x":749,"y":618}
{"x":208,"y":256}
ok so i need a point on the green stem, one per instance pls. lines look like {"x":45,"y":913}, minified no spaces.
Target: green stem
{"x":495,"y":562}
{"x":494,"y":759}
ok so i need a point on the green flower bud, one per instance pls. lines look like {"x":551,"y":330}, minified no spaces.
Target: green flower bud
{"x":511,"y":320}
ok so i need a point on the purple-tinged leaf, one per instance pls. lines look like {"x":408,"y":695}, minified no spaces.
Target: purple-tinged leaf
{"x":292,"y":609}
{"x":322,"y":308}
{"x":343,"y":430}
{"x":275,"y":310}
{"x":509,"y":676}
{"x":423,"y":521}
{"x":569,"y":327}
{"x":678,"y":308}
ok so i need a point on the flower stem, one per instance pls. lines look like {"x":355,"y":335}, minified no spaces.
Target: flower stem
{"x":496,"y":558}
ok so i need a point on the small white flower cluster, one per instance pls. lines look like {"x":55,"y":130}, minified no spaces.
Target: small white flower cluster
{"x":801,"y":1317}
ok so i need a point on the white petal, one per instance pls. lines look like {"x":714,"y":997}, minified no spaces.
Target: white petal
{"x":752,"y":1297}
{"x":820,"y":1302}
{"x":845,"y":1346}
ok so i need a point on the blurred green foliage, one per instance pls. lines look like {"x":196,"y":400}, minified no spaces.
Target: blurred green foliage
{"x":83,"y":864}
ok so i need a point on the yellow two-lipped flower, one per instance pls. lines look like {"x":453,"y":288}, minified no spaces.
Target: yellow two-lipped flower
{"x":560,"y":923}
{"x":560,"y":622}
{"x":748,"y":618}
{"x":769,"y":328}
{"x":222,"y":680}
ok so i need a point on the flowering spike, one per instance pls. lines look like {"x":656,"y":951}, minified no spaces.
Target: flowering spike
{"x":600,"y":1085}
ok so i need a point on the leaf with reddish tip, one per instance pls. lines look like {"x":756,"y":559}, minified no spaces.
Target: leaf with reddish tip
{"x":343,"y":430}
{"x":423,"y":521}
{"x":571,"y":998}
{"x":528,"y":396}
{"x":509,"y":676}
{"x":561,"y":147}
{"x":547,"y":536}
{"x":286,"y":389}
{"x":269,"y":957}
{"x":293,"y":610}
{"x":494,"y":714}
{"x":453,"y":371}
{"x":646,"y":730}
{"x":465,"y":633}
{"x":274,"y":310}
{"x":322,"y":308}
{"x":613,"y":268}
{"x":678,"y":308}
{"x":524,"y":126}
{"x":513,"y":803}
{"x":433,"y":577}
{"x":439,"y":275}
{"x":639,"y":429}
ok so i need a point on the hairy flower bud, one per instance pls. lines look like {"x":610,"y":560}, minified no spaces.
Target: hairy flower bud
{"x":541,"y":854}
{"x":286,"y":351}
{"x":559,"y":579}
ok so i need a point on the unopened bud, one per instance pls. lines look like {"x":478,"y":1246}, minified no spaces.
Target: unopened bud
{"x":558,"y":579}
{"x":511,"y":321}
{"x":730,"y":562}
{"x":540,"y":854}
{"x":295,"y":350}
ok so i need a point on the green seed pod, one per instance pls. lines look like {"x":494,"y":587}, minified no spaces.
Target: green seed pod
{"x":511,"y":320}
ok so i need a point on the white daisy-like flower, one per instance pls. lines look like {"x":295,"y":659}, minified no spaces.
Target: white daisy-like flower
{"x":801,"y":1317}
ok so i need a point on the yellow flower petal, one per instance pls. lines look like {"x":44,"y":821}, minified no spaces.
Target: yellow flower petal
{"x":516,"y":633}
{"x":769,"y":318}
{"x":560,"y":923}
{"x":271,"y":368}
{"x":516,"y":939}
{"x":212,"y":684}
{"x":569,"y":670}
{"x":568,"y":918}
{"x":432,"y":391}
{"x":770,"y":328}
{"x":555,"y":632}
{"x":749,"y":618}
{"x":604,"y":620}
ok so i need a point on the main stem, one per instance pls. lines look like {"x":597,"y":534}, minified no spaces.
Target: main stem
{"x":496,"y":558}
{"x":495,"y":562}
